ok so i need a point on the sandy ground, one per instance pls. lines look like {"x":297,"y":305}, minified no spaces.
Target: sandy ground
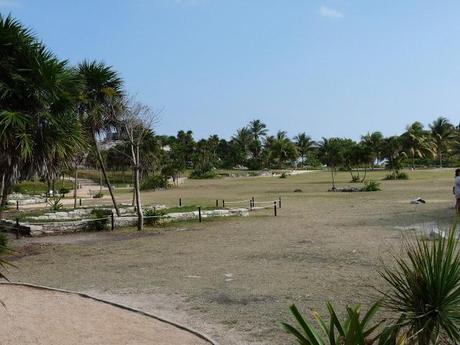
{"x":234,"y":279}
{"x":36,"y":316}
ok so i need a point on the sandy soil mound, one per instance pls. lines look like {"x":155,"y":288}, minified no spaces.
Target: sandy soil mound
{"x":36,"y":316}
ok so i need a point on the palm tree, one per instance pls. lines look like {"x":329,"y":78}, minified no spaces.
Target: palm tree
{"x":442,"y":133}
{"x":393,"y":151}
{"x":39,"y":132}
{"x":243,"y":139}
{"x":258,"y":129}
{"x":304,"y":145}
{"x":281,"y":149}
{"x":100,"y":106}
{"x":373,"y":142}
{"x":416,"y":142}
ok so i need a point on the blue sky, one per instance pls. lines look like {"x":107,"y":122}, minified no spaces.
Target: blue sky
{"x":329,"y":68}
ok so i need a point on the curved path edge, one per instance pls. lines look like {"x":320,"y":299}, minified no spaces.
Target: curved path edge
{"x":172,"y":323}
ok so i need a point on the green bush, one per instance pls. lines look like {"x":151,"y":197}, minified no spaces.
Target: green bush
{"x":371,"y":186}
{"x":198,"y":174}
{"x":399,"y":176}
{"x":38,"y":187}
{"x":150,"y":215}
{"x":355,"y":179}
{"x":154,"y":182}
{"x":98,"y":195}
{"x":55,"y":204}
{"x":284,"y":175}
{"x":64,"y":191}
{"x":102,"y":218}
{"x":425,"y":290}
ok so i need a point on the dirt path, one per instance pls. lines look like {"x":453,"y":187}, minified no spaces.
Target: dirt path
{"x":36,"y":316}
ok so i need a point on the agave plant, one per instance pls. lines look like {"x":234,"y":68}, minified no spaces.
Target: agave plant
{"x":425,"y":291}
{"x":354,"y":330}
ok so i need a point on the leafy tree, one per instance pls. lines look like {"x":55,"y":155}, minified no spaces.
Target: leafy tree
{"x":281,"y":149}
{"x":442,"y":133}
{"x":373,"y":145}
{"x":331,"y":153}
{"x":242,"y":140}
{"x":416,"y":142}
{"x":393,"y":151}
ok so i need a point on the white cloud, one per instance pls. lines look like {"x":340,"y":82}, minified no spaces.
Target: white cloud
{"x":330,"y":12}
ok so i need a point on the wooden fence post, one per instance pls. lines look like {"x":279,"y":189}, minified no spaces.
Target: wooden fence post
{"x":217,"y":203}
{"x":274,"y":208}
{"x":17,"y":228}
{"x":199,"y":214}
{"x":17,"y":205}
{"x":223,"y":203}
{"x":112,"y":218}
{"x":279,"y":202}
{"x":180,"y":202}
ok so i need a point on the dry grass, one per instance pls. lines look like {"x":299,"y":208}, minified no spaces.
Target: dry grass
{"x":235,"y":278}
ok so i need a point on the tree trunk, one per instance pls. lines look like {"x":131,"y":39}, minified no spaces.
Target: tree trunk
{"x":365,"y":173}
{"x":75,"y":186}
{"x":333,"y":178}
{"x":140,"y":215}
{"x":440,"y":159}
{"x":101,"y":164}
{"x":6,"y":191}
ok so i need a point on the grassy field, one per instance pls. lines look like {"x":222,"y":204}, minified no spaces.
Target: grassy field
{"x":235,"y":278}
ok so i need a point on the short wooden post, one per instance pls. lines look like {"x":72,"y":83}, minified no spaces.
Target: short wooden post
{"x":250,"y":204}
{"x":180,"y":202}
{"x":274,"y":208}
{"x":112,"y":218}
{"x":17,"y":228}
{"x":80,"y":202}
{"x":223,"y":203}
{"x":279,"y":202}
{"x":217,"y":203}
{"x":199,"y":214}
{"x":253,"y":202}
{"x":17,"y":205}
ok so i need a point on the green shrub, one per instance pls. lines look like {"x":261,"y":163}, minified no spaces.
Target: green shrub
{"x":198,"y":174}
{"x":284,"y":175}
{"x":371,"y":186}
{"x":154,"y":182}
{"x":98,"y":195}
{"x":355,"y":179}
{"x":150,"y":215}
{"x":64,"y":191}
{"x":425,"y":290}
{"x":399,"y":176}
{"x":55,"y":204}
{"x":101,"y":216}
{"x":38,"y":187}
{"x":354,"y":330}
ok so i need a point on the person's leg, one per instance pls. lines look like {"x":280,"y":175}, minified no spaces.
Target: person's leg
{"x":457,"y":206}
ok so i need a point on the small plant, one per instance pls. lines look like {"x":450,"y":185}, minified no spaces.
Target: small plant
{"x":101,"y":218}
{"x":399,"y":175}
{"x":198,"y":174}
{"x":155,"y":182}
{"x":63,"y":191}
{"x":153,"y":216}
{"x":55,"y":204}
{"x":354,"y":330}
{"x":371,"y":186}
{"x":284,"y":175}
{"x":98,"y":195}
{"x":355,"y":179}
{"x":425,"y":290}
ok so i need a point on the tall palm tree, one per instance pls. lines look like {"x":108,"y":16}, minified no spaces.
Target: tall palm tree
{"x":373,"y":142}
{"x":393,"y":151}
{"x":100,"y":106}
{"x":416,"y":142}
{"x":442,"y":133}
{"x":258,"y":129}
{"x":39,"y":131}
{"x":243,"y":139}
{"x":304,"y":145}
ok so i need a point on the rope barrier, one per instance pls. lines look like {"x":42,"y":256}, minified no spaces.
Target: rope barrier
{"x":237,"y":202}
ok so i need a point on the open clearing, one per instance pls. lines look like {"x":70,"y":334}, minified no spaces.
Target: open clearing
{"x":234,"y":279}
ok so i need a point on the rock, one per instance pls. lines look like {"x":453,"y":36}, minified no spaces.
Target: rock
{"x":298,"y":190}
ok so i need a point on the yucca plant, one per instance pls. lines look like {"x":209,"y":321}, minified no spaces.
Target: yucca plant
{"x":425,"y":290}
{"x":354,"y":330}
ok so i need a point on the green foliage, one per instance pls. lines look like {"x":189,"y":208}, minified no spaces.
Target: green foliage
{"x":198,"y":174}
{"x":284,"y":175}
{"x":398,"y":175}
{"x":98,"y":195}
{"x":371,"y":186}
{"x":38,"y":187}
{"x":154,"y":182}
{"x":153,"y":216}
{"x":101,"y":216}
{"x":425,"y":290}
{"x":354,"y":330}
{"x":355,"y":179}
{"x":64,"y":191}
{"x":55,"y":204}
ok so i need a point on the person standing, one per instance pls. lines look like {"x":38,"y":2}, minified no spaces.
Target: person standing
{"x":457,"y":190}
